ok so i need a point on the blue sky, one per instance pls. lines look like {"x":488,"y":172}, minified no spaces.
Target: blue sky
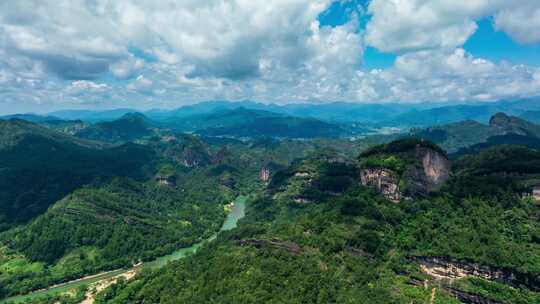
{"x":486,"y":42}
{"x":101,"y":54}
{"x":498,"y":46}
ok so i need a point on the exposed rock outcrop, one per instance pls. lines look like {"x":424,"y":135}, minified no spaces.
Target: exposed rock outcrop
{"x":385,"y":181}
{"x":264,"y":174}
{"x":436,"y":168}
{"x":446,"y":269}
{"x":406,"y":170}
{"x":431,"y":172}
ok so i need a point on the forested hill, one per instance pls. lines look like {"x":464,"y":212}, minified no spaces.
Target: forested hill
{"x":250,"y":123}
{"x":73,"y":207}
{"x":129,"y":127}
{"x":476,"y":244}
{"x":472,"y":136}
{"x":39,"y":166}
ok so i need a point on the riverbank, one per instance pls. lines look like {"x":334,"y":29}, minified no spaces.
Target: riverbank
{"x":237,"y":212}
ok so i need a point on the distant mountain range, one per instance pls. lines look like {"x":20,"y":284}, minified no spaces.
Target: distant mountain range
{"x":392,"y":114}
{"x":533,"y":116}
{"x":129,"y":127}
{"x":237,"y":122}
{"x":471,"y":136}
{"x":453,"y":126}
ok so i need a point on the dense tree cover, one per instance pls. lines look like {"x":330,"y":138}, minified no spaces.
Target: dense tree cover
{"x":71,"y":297}
{"x":404,"y":146}
{"x":469,"y":136}
{"x":122,"y":218}
{"x":313,"y":179}
{"x":109,"y":212}
{"x":112,"y":226}
{"x":493,"y":141}
{"x":38,"y":170}
{"x":357,"y":247}
{"x":284,"y":127}
{"x":129,"y":127}
{"x":499,"y":172}
{"x":453,"y":137}
{"x":250,"y":123}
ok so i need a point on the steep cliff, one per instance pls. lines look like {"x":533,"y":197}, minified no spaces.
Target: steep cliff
{"x":404,"y":169}
{"x":449,"y":270}
{"x":385,"y":181}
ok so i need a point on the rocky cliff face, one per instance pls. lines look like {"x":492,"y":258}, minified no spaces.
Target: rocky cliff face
{"x":446,"y":269}
{"x":264,"y":174}
{"x":427,"y":170}
{"x":384,"y":181}
{"x":432,"y":171}
{"x":436,"y":169}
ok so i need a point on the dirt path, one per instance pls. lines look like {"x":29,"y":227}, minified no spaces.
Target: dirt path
{"x":99,"y":286}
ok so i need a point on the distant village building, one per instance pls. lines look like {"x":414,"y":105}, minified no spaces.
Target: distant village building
{"x":166,"y":180}
{"x":536,"y":192}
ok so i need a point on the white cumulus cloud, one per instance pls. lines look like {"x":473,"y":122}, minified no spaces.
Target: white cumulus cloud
{"x":165,"y":53}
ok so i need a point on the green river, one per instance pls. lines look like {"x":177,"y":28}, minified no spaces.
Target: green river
{"x":237,"y":212}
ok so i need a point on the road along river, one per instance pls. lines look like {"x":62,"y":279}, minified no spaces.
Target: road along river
{"x":237,"y":212}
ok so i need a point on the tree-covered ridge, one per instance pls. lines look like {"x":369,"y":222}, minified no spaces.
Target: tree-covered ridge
{"x":115,"y":218}
{"x":396,"y":156}
{"x":108,"y":209}
{"x":359,"y":247}
{"x":39,"y":166}
{"x":13,"y":131}
{"x":112,"y":226}
{"x":129,"y":127}
{"x":406,"y":146}
{"x":472,"y":136}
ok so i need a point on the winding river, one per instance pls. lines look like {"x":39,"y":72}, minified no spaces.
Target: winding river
{"x":237,"y":212}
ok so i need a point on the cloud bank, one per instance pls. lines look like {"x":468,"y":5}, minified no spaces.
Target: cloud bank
{"x":104,"y":53}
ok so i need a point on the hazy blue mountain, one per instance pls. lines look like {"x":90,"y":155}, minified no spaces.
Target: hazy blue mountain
{"x":203,"y":108}
{"x":284,"y":127}
{"x":92,"y":116}
{"x":334,"y":112}
{"x":493,"y":141}
{"x":502,"y":124}
{"x":219,"y":117}
{"x":444,"y":115}
{"x":533,"y":116}
{"x":391,"y":114}
{"x":502,"y":129}
{"x":242,"y":122}
{"x":346,"y":112}
{"x":455,"y":136}
{"x":129,"y":127}
{"x":30,"y":117}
